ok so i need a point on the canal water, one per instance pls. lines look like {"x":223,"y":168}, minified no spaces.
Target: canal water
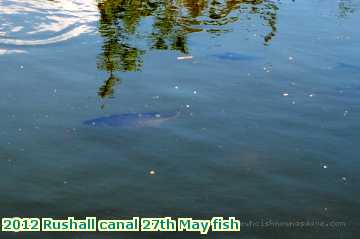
{"x":248,"y":109}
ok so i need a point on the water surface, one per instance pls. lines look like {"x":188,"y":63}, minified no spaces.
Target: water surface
{"x":269,"y":124}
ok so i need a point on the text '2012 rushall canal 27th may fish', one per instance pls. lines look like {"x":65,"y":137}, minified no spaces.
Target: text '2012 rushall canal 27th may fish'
{"x":136,"y":224}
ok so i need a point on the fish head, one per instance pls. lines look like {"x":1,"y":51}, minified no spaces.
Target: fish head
{"x":154,"y":119}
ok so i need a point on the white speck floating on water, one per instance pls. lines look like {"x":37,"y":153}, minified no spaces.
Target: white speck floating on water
{"x":21,"y":67}
{"x":291,"y":58}
{"x":65,"y":182}
{"x":185,"y":58}
{"x":346,"y":112}
{"x":268,"y":68}
{"x":285,"y":94}
{"x":325,"y":166}
{"x":293,"y":102}
{"x":176,"y":87}
{"x":55,"y":91}
{"x":187,"y":106}
{"x":152,"y":172}
{"x":157,"y":115}
{"x":19,"y":129}
{"x":311,"y":95}
{"x":343,"y":178}
{"x":195,"y":92}
{"x":156,"y":97}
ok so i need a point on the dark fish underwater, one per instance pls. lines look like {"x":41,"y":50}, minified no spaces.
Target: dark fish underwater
{"x":233,"y":56}
{"x":133,"y":120}
{"x":347,"y":67}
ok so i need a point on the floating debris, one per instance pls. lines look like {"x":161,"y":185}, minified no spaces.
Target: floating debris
{"x":285,"y":94}
{"x":311,"y":95}
{"x":346,"y":113}
{"x":344,"y":179}
{"x":185,"y":58}
{"x":187,"y":106}
{"x":21,"y":67}
{"x":195,"y":92}
{"x":152,"y":172}
{"x":291,"y":58}
{"x":268,"y":68}
{"x":176,"y":87}
{"x":325,"y":166}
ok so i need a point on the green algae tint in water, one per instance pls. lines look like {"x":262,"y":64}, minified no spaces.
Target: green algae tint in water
{"x":267,"y":130}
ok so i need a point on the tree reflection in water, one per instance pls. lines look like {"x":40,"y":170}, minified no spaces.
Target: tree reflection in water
{"x":171,"y":23}
{"x":346,"y":8}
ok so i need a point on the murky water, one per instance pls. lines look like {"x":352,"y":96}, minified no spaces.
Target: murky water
{"x":262,"y":123}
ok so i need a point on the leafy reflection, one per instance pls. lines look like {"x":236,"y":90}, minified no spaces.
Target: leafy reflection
{"x":166,"y":25}
{"x":346,"y":8}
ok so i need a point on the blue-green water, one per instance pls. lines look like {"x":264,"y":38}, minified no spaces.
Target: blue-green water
{"x":269,"y":113}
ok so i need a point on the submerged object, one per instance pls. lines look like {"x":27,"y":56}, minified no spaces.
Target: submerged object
{"x":348,"y":67}
{"x":133,"y":120}
{"x":233,"y":56}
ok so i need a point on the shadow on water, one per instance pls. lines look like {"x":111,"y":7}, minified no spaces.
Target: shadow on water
{"x":171,"y":22}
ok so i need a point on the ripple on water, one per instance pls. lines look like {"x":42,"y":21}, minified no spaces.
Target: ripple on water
{"x":41,"y":22}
